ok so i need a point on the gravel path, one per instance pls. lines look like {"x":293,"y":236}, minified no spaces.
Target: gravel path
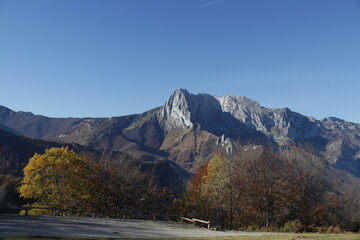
{"x":14,"y":225}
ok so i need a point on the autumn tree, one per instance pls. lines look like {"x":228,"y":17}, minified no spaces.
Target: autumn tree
{"x":270,"y":186}
{"x":195,"y":184}
{"x":192,"y":203}
{"x":216,"y":188}
{"x":120,"y":186}
{"x":210,"y":193}
{"x":284,"y":185}
{"x":309,"y":189}
{"x":258,"y":174}
{"x":57,"y":178}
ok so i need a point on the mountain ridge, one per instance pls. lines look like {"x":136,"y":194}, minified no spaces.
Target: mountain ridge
{"x":189,"y":128}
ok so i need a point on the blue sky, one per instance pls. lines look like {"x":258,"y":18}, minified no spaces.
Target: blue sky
{"x":87,"y":58}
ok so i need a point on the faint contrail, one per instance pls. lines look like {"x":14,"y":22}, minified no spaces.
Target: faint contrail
{"x":211,"y":3}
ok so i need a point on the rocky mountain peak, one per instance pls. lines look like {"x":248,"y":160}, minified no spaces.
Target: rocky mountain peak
{"x":176,"y":111}
{"x":223,"y":115}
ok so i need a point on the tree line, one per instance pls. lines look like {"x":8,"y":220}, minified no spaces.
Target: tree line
{"x":255,"y":188}
{"x":290,"y":190}
{"x":61,"y":179}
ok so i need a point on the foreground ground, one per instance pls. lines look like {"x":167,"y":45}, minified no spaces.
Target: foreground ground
{"x":267,"y":237}
{"x":13,"y":227}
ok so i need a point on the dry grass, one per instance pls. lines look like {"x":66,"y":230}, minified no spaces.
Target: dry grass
{"x":305,"y":236}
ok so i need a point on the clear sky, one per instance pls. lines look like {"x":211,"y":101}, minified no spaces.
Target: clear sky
{"x":101,"y":58}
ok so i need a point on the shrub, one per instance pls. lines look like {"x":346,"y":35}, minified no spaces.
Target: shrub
{"x":311,"y":228}
{"x":269,"y":229}
{"x":298,"y":226}
{"x":293,"y":226}
{"x":288,"y":227}
{"x":335,"y":229}
{"x":252,"y":228}
{"x":322,"y":229}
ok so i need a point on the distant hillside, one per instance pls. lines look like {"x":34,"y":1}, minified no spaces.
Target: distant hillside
{"x":35,"y":126}
{"x":2,"y":127}
{"x":15,"y":151}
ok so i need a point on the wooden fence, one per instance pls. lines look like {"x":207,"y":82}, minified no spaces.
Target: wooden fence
{"x":195,"y":220}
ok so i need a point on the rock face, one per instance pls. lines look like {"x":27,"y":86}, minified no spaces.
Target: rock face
{"x":190,"y":127}
{"x":176,"y":113}
{"x":232,"y":115}
{"x":278,"y":124}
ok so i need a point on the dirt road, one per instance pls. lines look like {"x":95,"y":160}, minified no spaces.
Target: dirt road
{"x":13,"y":225}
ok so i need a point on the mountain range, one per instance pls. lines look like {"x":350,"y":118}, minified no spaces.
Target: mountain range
{"x":189,"y":128}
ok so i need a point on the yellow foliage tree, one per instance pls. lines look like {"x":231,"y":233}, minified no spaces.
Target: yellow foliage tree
{"x":216,"y":189}
{"x":58,"y":178}
{"x":216,"y":182}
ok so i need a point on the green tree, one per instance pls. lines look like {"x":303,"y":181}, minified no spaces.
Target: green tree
{"x":57,"y":178}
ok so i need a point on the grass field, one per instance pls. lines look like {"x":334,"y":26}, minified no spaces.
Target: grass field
{"x":306,"y":236}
